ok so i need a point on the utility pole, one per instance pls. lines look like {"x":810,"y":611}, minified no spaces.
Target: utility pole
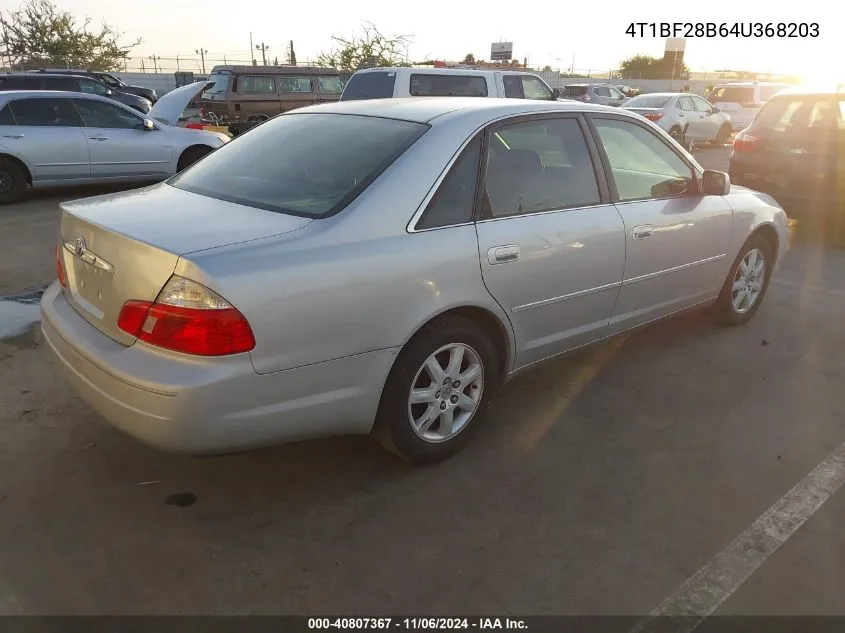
{"x":177,"y":63}
{"x":292,"y":55}
{"x":251,"y":49}
{"x":201,"y":52}
{"x":143,"y":69}
{"x":263,"y":48}
{"x":155,"y":65}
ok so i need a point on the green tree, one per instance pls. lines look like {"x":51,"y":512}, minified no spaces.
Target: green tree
{"x":469,"y":59}
{"x":367,"y":50}
{"x":648,"y":67}
{"x":40,"y":34}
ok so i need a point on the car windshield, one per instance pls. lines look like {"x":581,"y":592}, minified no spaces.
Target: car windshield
{"x":648,"y":101}
{"x":302,"y":164}
{"x":370,"y":85}
{"x":218,"y":90}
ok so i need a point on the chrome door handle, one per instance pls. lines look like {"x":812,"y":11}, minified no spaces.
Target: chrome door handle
{"x":13,"y":136}
{"x":503,"y":254}
{"x":642,"y":232}
{"x":98,"y":138}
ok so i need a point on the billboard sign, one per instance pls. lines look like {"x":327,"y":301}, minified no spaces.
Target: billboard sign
{"x":501,"y":51}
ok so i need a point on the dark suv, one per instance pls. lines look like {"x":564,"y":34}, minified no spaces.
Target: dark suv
{"x":112,"y":81}
{"x":794,"y":150}
{"x":71,"y":83}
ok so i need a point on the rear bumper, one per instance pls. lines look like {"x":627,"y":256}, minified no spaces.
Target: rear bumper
{"x":179,"y":403}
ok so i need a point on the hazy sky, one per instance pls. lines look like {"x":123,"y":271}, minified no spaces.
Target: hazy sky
{"x":545,"y":32}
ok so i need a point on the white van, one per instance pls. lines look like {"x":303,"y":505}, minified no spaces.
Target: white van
{"x":387,"y":83}
{"x":742,"y":100}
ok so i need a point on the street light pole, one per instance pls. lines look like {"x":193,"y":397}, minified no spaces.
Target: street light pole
{"x":201,"y":52}
{"x":263,"y":48}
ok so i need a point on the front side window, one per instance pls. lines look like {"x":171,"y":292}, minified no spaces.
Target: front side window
{"x":330,"y":84}
{"x":295,"y":84}
{"x":701,"y":105}
{"x":685,"y":104}
{"x":310,"y":165}
{"x":616,"y":94}
{"x":454,"y":200}
{"x":425,"y":85}
{"x":105,"y":115}
{"x":109,"y":80}
{"x":45,"y":112}
{"x":535,"y":88}
{"x":513,"y":87}
{"x":540,"y":165}
{"x":256,"y":85}
{"x":643,"y":166}
{"x":92,"y":87}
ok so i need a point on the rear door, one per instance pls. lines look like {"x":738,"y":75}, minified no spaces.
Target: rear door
{"x":710,"y":122}
{"x":118,"y":144}
{"x":49,"y":134}
{"x":551,"y":245}
{"x":689,"y":117}
{"x":256,"y":96}
{"x":677,"y":239}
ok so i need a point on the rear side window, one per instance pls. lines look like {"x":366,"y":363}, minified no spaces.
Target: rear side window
{"x":256,"y":84}
{"x":685,"y":104}
{"x":295,"y":84}
{"x":798,"y":116}
{"x":371,"y":85}
{"x":45,"y":112}
{"x":21,"y":83}
{"x":732,"y":94}
{"x":330,"y":84}
{"x":425,"y":85}
{"x":575,"y":91}
{"x":454,"y":200}
{"x":647,"y":101}
{"x":310,"y":165}
{"x":66,"y":83}
{"x":6,"y":116}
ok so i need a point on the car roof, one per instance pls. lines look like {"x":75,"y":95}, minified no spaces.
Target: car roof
{"x":426,"y":109}
{"x":33,"y":75}
{"x":5,"y":95}
{"x":440,"y":71}
{"x":666,"y":94}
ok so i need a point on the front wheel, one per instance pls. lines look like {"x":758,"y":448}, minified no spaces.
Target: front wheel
{"x":682,"y":139}
{"x":437,"y":392}
{"x":745,"y":287}
{"x":12,"y":181}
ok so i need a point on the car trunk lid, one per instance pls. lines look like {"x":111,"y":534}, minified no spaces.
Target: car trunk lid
{"x":125,"y":246}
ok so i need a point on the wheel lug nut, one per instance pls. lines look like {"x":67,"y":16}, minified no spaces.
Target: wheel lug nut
{"x":437,"y":395}
{"x":454,"y":399}
{"x":442,"y":406}
{"x":456,"y":384}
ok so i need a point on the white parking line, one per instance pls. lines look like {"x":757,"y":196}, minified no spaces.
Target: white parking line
{"x":703,"y":593}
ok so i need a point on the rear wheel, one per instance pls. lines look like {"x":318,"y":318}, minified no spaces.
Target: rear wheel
{"x":12,"y":181}
{"x":746,"y":284}
{"x":723,"y":135}
{"x":437,"y":392}
{"x":190,"y":156}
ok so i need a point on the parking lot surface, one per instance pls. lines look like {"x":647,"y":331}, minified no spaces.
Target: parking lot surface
{"x":601,"y":483}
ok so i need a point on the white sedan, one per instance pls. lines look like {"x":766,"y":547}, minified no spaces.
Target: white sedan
{"x":52,"y":138}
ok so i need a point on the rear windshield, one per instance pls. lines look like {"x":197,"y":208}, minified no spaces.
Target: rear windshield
{"x":574,"y":91}
{"x":218,"y":90}
{"x":310,"y":165}
{"x":374,"y":85}
{"x":647,"y":101}
{"x":436,"y":85}
{"x":732,"y":94}
{"x":800,"y":115}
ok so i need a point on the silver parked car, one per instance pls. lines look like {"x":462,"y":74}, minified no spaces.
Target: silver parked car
{"x":383,"y":266}
{"x":599,"y":94}
{"x":687,"y":118}
{"x":50,"y":138}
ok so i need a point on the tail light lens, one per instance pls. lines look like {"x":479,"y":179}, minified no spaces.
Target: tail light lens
{"x":745,"y":142}
{"x":654,"y":116}
{"x":60,"y":268}
{"x":187,"y":317}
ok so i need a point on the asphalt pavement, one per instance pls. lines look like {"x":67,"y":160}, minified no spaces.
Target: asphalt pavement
{"x":681,"y":461}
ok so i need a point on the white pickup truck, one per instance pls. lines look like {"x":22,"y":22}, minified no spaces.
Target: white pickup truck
{"x":391,"y":83}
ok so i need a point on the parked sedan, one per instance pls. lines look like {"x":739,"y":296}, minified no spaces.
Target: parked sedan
{"x":688,"y":118}
{"x":72,"y":83}
{"x":600,"y":94}
{"x":383,"y":266}
{"x":65,"y":138}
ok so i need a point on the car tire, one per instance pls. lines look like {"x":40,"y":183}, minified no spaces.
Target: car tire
{"x":418,"y":432}
{"x":737,"y":304}
{"x":12,"y":181}
{"x":190,"y":156}
{"x":722,"y":136}
{"x":681,"y":138}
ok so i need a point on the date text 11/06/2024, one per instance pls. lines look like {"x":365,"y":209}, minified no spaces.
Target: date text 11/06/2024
{"x":723,"y":29}
{"x":415,"y":624}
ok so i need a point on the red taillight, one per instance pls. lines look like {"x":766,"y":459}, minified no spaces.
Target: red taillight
{"x":195,"y":126}
{"x":654,"y":116}
{"x":745,"y":142}
{"x":60,"y":269}
{"x":204,"y":324}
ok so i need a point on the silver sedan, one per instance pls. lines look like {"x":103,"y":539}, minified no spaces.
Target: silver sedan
{"x":384,"y":266}
{"x":687,"y":118}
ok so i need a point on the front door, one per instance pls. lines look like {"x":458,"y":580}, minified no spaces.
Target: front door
{"x":552,"y":248}
{"x":710,"y":122}
{"x":48,"y":133}
{"x":677,"y":239}
{"x":119,"y":145}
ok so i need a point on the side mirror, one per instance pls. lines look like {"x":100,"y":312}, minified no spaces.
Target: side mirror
{"x":149,"y":125}
{"x":715,"y":183}
{"x":555,"y":94}
{"x":715,"y":110}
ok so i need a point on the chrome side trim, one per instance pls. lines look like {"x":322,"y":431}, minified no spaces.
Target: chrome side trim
{"x":633,"y":280}
{"x":571,"y":295}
